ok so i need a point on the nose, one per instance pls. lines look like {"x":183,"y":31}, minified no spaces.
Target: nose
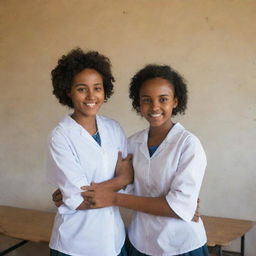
{"x":155,"y":105}
{"x":90,"y":94}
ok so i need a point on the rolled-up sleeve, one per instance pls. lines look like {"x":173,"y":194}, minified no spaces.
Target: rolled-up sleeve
{"x":65,"y":172}
{"x":185,"y":187}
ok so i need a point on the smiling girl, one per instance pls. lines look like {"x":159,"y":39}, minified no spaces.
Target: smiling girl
{"x":169,"y":164}
{"x":83,"y":148}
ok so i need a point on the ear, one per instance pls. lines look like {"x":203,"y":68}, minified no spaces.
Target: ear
{"x":69,"y":94}
{"x":175,"y":102}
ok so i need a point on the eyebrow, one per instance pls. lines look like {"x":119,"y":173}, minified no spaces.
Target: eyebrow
{"x":147,"y":96}
{"x":81,"y":84}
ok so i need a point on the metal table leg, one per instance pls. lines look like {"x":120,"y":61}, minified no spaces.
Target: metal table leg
{"x":219,"y":250}
{"x":13,"y":248}
{"x":242,"y":245}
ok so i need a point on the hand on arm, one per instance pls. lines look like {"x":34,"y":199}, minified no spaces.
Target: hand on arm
{"x":99,"y":198}
{"x":124,"y":175}
{"x":124,"y":169}
{"x":107,"y":198}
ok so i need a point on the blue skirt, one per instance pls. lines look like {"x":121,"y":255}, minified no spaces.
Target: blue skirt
{"x":132,"y":251}
{"x":56,"y":253}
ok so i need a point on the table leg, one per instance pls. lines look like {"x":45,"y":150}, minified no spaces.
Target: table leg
{"x":219,"y":250}
{"x":242,"y":245}
{"x":13,"y":248}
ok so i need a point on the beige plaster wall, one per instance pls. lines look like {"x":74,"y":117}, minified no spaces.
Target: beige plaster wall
{"x":211,"y":42}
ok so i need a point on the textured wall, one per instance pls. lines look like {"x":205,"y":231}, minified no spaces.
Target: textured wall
{"x":212,"y":43}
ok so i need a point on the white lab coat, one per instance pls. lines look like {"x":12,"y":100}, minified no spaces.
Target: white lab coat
{"x":75,"y":160}
{"x":175,"y":171}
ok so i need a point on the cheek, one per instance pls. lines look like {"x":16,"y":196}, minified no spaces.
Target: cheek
{"x":143,"y":110}
{"x":76,"y":98}
{"x":100,"y":95}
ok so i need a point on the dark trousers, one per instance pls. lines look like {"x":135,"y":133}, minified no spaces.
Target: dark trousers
{"x":132,"y":251}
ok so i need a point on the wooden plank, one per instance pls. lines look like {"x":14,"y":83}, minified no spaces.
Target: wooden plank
{"x":222,"y":231}
{"x":26,"y":224}
{"x":36,"y":226}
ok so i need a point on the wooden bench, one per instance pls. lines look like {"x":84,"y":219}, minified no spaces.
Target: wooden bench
{"x":26,"y":225}
{"x":35,"y":226}
{"x":222,"y":231}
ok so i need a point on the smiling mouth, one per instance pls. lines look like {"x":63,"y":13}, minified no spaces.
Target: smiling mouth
{"x":91,"y":105}
{"x":155,"y":115}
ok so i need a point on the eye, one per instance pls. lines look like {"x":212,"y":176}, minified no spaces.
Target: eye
{"x":98,"y":89}
{"x":82,"y":89}
{"x":163,"y":99}
{"x":145,"y":100}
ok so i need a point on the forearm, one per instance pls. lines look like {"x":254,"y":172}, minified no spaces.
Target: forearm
{"x":114,"y":184}
{"x":124,"y":174}
{"x":151,"y":205}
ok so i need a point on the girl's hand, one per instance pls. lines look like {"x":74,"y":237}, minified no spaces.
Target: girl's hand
{"x":197,"y":213}
{"x":124,"y":168}
{"x":98,"y":197}
{"x":57,"y":198}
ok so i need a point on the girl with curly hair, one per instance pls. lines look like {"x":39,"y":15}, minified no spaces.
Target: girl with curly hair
{"x":84,"y":148}
{"x":169,"y":164}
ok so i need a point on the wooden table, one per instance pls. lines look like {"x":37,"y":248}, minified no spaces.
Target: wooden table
{"x":222,"y":231}
{"x":36,"y":226}
{"x":26,"y":225}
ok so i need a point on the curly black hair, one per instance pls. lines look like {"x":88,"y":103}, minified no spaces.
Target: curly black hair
{"x":73,"y":63}
{"x":162,"y":71}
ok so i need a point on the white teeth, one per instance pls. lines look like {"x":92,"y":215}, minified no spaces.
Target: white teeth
{"x":156,"y":115}
{"x":90,"y":104}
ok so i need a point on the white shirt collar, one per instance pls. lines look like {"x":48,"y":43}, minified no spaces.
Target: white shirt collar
{"x":177,"y":128}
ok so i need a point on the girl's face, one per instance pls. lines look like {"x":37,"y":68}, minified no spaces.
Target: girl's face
{"x":157,"y":102}
{"x":87,"y":92}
